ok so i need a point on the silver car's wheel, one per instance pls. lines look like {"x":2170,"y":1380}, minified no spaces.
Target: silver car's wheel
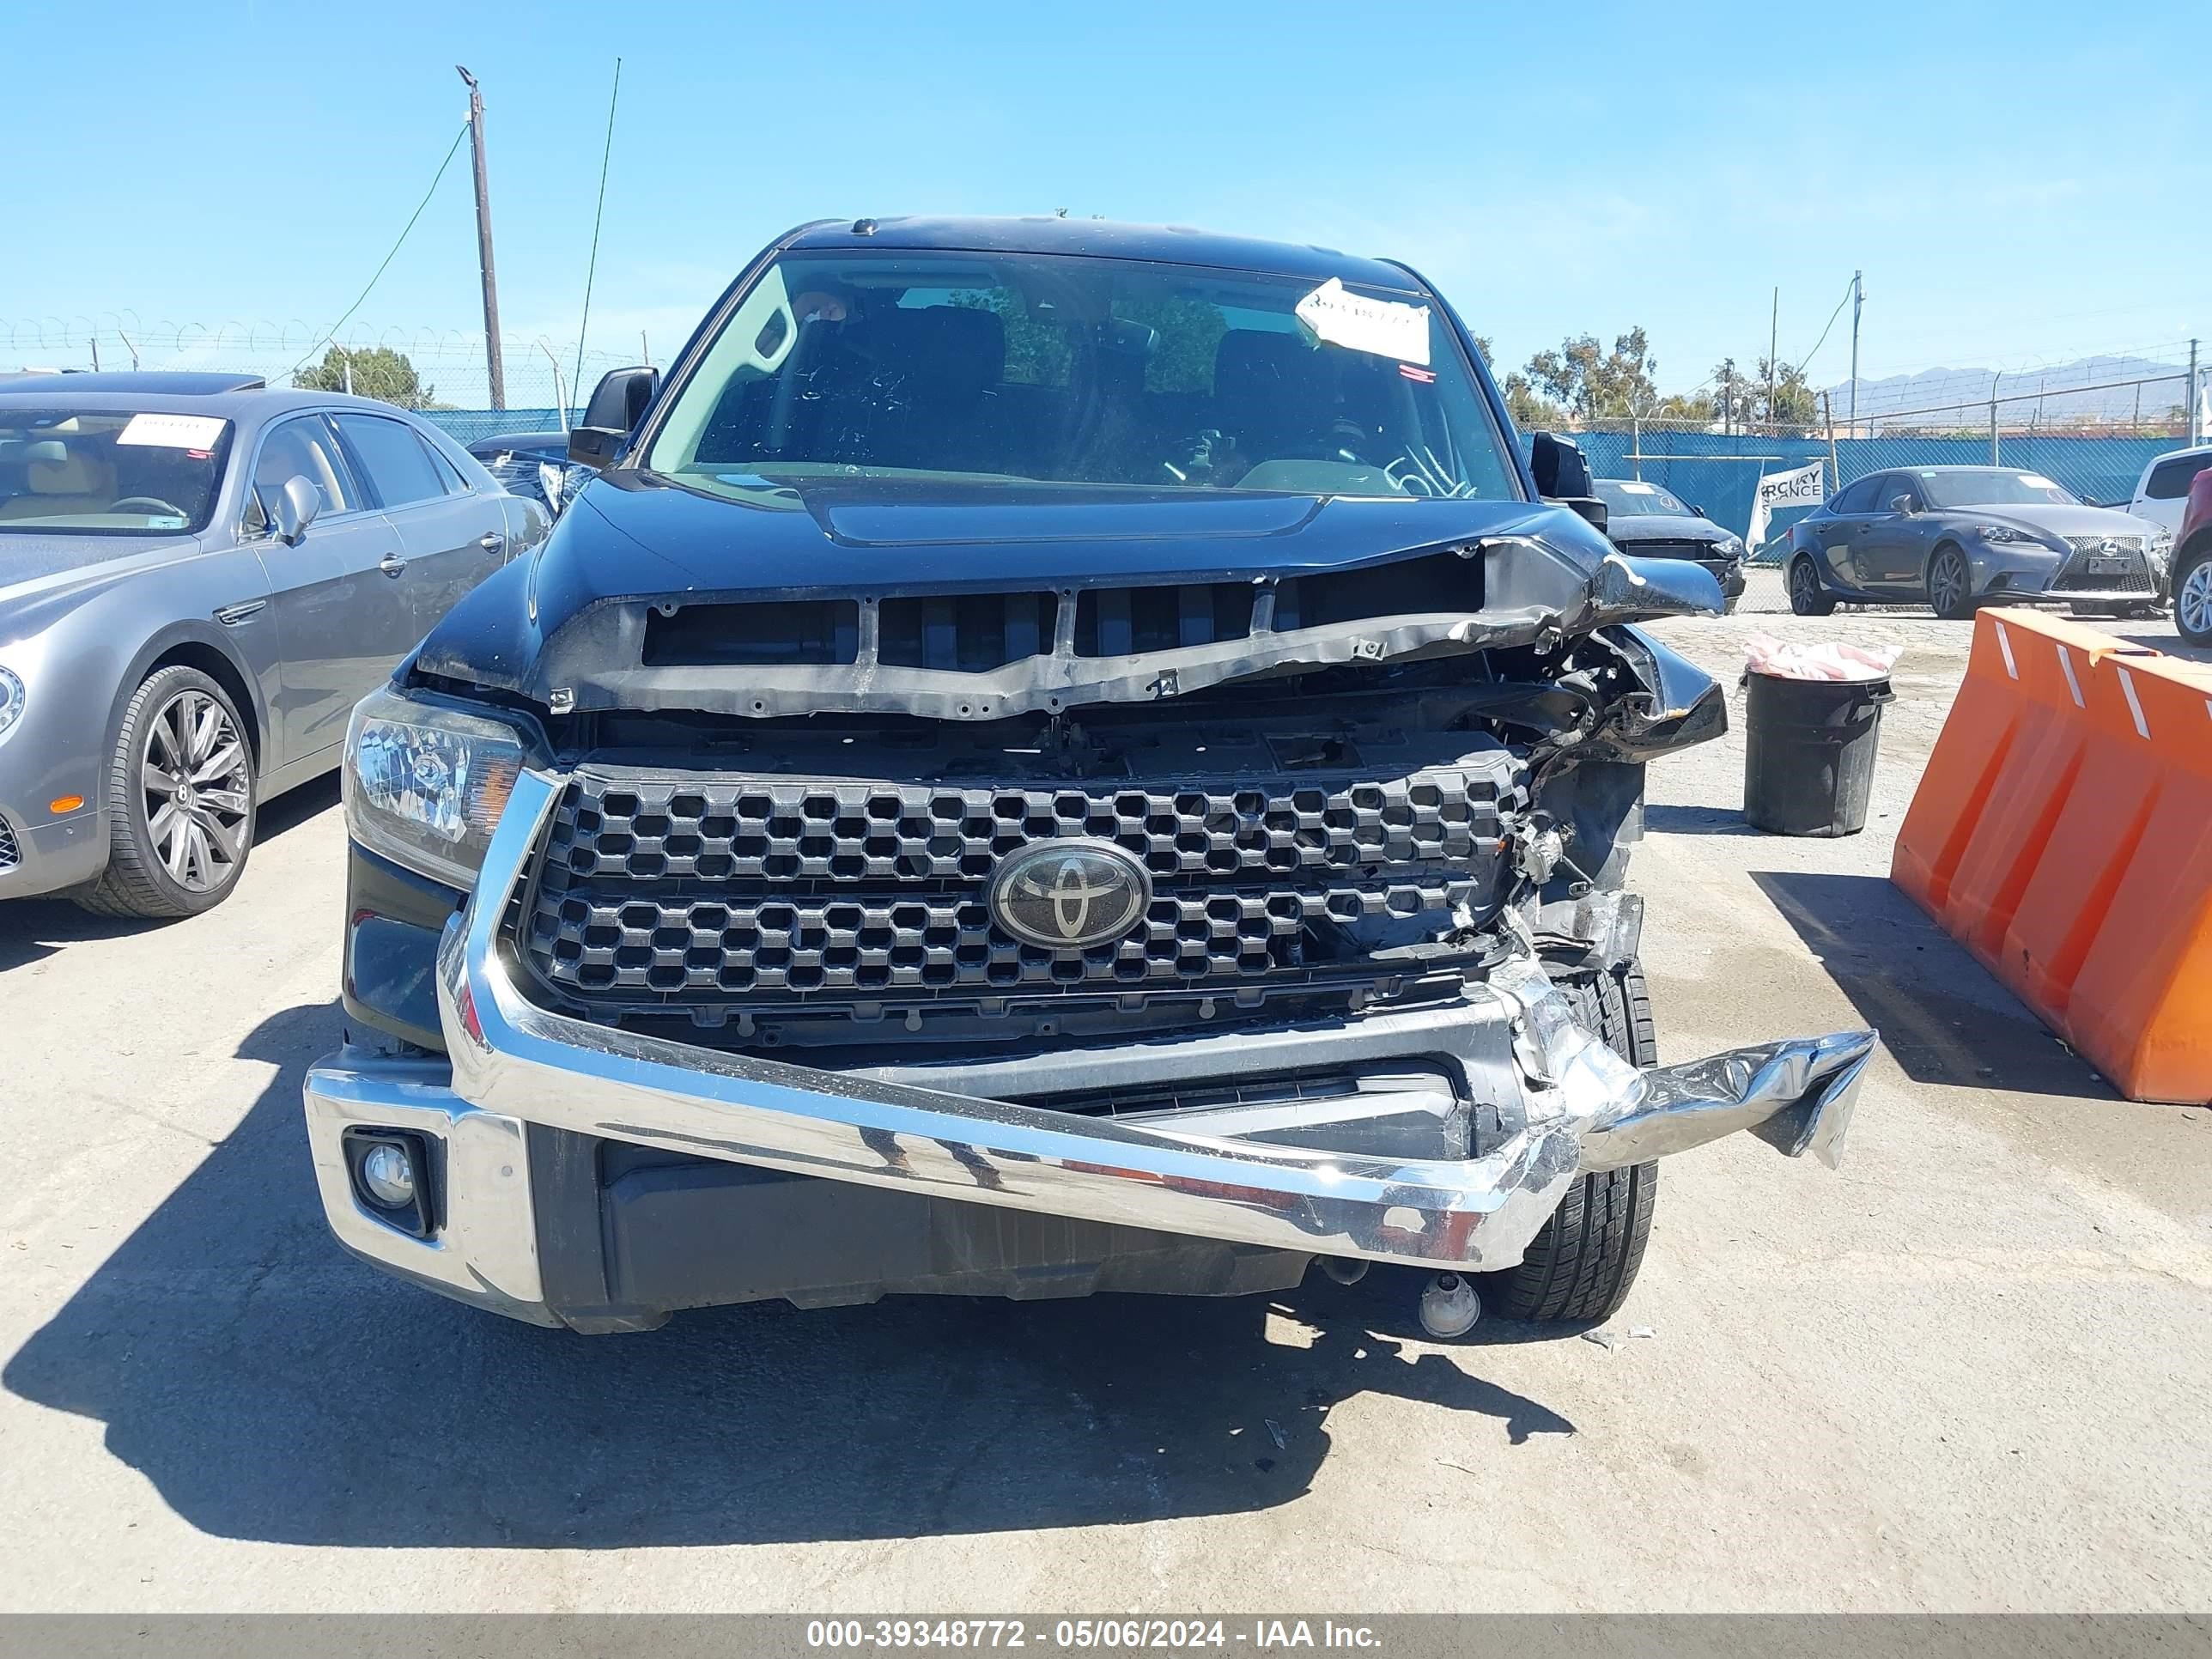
{"x":1948,"y":583}
{"x":180,"y":801}
{"x":197,"y":791}
{"x":2192,"y":602}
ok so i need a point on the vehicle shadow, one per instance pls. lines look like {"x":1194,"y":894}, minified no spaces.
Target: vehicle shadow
{"x":271,"y":1387}
{"x":1941,"y":1015}
{"x":31,"y":930}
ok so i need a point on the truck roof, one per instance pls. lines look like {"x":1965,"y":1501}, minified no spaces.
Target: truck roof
{"x":1103,"y":237}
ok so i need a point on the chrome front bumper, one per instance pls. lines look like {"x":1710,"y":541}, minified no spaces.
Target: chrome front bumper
{"x":1578,"y":1107}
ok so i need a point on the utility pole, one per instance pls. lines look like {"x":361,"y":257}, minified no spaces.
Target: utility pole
{"x":495,"y":371}
{"x":1773,"y":344}
{"x":1858,"y":294}
{"x":2195,"y":401}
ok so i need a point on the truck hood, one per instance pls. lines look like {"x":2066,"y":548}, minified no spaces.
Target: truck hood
{"x":650,"y":594}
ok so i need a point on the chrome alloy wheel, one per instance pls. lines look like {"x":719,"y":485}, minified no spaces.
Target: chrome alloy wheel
{"x":2192,"y":604}
{"x":198,"y":791}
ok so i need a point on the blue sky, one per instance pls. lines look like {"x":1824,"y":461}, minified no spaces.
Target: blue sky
{"x":2013,"y":179}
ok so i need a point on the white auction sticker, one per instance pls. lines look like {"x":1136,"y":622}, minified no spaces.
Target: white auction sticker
{"x":1385,"y":328}
{"x":172,"y":431}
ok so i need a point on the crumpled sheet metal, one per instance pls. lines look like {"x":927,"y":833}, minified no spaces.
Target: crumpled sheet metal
{"x":1795,"y":1095}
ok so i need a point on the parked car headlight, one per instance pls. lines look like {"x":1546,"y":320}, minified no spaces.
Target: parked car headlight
{"x":2159,"y":549}
{"x":11,"y":699}
{"x":2004,"y":532}
{"x":1730,"y":547}
{"x":424,"y":783}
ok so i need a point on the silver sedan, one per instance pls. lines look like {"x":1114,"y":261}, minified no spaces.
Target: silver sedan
{"x":199,"y":576}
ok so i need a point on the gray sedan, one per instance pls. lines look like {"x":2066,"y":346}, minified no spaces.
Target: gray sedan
{"x":1957,"y":536}
{"x":199,"y":576}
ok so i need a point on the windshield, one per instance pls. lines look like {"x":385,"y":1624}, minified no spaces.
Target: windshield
{"x":1623,"y":496}
{"x":135,"y":472}
{"x":1025,"y":369}
{"x":1991,"y":487}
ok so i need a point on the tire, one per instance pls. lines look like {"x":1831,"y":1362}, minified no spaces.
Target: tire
{"x":1581,"y":1266}
{"x":2192,"y":597}
{"x":1807,"y":596}
{"x":164,"y":862}
{"x":1950,"y":584}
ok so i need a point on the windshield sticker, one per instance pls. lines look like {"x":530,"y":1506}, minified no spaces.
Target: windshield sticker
{"x":2036,"y":480}
{"x":1641,"y":488}
{"x":1424,"y":376}
{"x":1385,"y":328}
{"x":198,"y":432}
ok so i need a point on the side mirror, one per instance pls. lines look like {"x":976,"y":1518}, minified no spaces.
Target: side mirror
{"x":1562,"y":471}
{"x":1701,"y":511}
{"x":618,"y":403}
{"x":295,"y":509}
{"x":1562,"y":475}
{"x":1900,"y":504}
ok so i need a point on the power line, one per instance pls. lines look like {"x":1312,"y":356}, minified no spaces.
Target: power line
{"x":1807,"y":359}
{"x":584,"y":323}
{"x":388,"y":258}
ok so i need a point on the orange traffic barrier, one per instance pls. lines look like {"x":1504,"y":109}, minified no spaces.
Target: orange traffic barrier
{"x":2063,"y":833}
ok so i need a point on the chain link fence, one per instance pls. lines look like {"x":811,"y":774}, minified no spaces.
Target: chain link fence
{"x":2082,"y":433}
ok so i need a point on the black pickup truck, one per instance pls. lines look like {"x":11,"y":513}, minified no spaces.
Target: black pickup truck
{"x":1053,"y":757}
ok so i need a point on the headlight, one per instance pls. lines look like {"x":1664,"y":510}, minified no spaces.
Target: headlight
{"x":2160,"y":547}
{"x":424,"y":784}
{"x":11,"y":699}
{"x":2004,"y":532}
{"x":1730,"y":546}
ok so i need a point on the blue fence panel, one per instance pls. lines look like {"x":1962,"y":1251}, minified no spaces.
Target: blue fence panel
{"x":467,"y":425}
{"x":1719,"y":471}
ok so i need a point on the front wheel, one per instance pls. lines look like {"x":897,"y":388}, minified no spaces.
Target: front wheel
{"x":1950,"y":586}
{"x":2192,"y":598}
{"x":180,"y":806}
{"x":1579,"y":1269}
{"x":1807,"y":596}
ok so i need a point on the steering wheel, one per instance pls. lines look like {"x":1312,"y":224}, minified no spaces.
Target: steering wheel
{"x":147,"y":504}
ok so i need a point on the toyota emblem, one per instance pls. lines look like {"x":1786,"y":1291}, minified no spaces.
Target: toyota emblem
{"x":1066,"y":895}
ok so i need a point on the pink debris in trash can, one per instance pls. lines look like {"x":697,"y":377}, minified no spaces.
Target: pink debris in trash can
{"x":1828,"y":660}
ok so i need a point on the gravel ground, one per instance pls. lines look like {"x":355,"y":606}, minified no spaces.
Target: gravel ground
{"x":1968,"y":1371}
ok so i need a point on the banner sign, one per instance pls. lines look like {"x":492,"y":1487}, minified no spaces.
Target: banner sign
{"x":1804,"y":486}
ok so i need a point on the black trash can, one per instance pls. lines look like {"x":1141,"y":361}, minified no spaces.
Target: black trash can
{"x":1808,"y":752}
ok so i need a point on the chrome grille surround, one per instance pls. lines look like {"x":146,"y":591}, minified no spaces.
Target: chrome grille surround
{"x":652,"y":891}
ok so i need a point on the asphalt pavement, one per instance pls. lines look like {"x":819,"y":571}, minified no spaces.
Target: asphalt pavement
{"x":1968,"y":1371}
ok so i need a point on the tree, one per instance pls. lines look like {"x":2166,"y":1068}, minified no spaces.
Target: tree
{"x":1530,"y":410}
{"x":1792,"y":402}
{"x":1586,"y":379}
{"x":377,"y":372}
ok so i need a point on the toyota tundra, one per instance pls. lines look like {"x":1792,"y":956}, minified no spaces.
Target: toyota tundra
{"x":1051,"y":757}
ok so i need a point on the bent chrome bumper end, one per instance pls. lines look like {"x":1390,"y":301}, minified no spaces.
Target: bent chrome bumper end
{"x":1580,"y":1108}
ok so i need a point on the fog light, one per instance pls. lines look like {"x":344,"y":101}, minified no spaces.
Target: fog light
{"x":392,"y":1177}
{"x":389,"y":1180}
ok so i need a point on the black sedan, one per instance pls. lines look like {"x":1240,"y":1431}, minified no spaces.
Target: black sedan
{"x":1646,"y":520}
{"x":533,"y":464}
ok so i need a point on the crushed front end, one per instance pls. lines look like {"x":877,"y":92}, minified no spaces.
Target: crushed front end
{"x":1145,"y":938}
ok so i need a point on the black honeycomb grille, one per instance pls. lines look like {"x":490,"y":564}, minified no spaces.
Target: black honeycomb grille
{"x":658,"y":890}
